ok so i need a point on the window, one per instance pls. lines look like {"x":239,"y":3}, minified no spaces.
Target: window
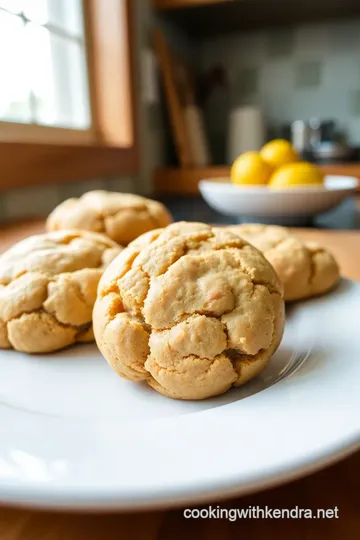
{"x":45,"y":63}
{"x":66,"y":90}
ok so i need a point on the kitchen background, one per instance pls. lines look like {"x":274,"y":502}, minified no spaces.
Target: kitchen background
{"x":293,"y":72}
{"x":306,"y":71}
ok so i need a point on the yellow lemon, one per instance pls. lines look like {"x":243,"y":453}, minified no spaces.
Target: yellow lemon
{"x":250,"y":168}
{"x":297,"y":174}
{"x":278,"y":152}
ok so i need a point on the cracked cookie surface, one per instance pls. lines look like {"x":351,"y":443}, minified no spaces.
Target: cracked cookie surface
{"x":121,"y":216}
{"x":305,"y":268}
{"x":193,"y":310}
{"x":48,"y":285}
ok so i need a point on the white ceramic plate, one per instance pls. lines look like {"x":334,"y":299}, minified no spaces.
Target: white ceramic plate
{"x":277,"y":206}
{"x":74,"y":435}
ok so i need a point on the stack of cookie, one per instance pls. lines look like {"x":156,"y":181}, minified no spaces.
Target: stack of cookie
{"x":191,"y":309}
{"x":48,"y":282}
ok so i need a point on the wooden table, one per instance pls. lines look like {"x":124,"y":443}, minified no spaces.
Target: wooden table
{"x":337,"y":486}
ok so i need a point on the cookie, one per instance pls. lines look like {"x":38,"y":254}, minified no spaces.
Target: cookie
{"x":190,"y":309}
{"x":48,"y":285}
{"x":121,"y":216}
{"x":305,"y":269}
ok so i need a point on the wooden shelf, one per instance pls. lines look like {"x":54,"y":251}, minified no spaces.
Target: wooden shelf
{"x":204,"y":18}
{"x":185,"y":181}
{"x":174,"y":181}
{"x":176,"y":4}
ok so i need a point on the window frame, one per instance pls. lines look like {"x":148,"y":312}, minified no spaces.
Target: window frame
{"x":33,"y":154}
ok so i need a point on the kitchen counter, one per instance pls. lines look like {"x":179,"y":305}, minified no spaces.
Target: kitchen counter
{"x":342,"y":243}
{"x":333,"y":487}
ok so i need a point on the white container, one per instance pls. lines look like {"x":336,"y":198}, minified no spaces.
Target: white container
{"x":246,"y":131}
{"x":287,"y":206}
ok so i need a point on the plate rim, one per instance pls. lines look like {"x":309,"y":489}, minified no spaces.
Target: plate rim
{"x":81,"y":501}
{"x":115,"y":498}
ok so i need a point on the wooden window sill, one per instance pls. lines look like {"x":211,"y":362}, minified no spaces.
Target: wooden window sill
{"x":27,"y":164}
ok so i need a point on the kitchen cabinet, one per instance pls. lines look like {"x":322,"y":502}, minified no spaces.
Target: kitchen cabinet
{"x":204,"y":18}
{"x":175,"y":4}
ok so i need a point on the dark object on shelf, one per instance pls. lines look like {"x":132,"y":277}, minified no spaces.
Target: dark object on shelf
{"x":332,"y":152}
{"x":319,"y":141}
{"x":322,"y":131}
{"x":193,"y":116}
{"x":186,"y":117}
{"x":172,"y":92}
{"x":215,"y":77}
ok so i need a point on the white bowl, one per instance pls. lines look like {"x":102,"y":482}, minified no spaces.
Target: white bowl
{"x":286,"y":206}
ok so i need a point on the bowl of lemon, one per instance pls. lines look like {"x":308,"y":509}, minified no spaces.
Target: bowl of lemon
{"x":275,"y":186}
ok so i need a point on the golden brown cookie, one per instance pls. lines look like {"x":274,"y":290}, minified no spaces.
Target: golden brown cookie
{"x":193,"y":310}
{"x":121,"y":216}
{"x":48,"y":285}
{"x":305,"y":269}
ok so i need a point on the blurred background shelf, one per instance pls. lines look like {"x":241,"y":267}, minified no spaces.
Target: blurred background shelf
{"x":185,"y":181}
{"x":201,"y":18}
{"x":176,"y":4}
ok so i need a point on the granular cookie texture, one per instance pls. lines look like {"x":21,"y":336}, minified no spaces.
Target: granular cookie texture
{"x":121,"y":216}
{"x":305,"y":269}
{"x":193,"y":310}
{"x":48,"y":285}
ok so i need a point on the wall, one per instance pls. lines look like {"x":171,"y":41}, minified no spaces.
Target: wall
{"x":292,"y":73}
